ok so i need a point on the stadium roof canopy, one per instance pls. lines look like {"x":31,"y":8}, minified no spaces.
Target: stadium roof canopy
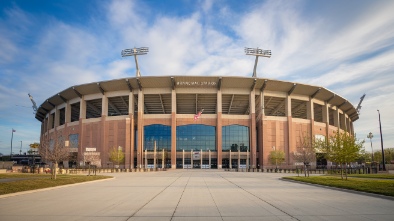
{"x":161,"y":103}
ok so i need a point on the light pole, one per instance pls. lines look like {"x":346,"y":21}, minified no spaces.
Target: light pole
{"x":370,"y":136}
{"x":12,"y":137}
{"x":20,"y":151}
{"x":258,"y":53}
{"x":134,"y":52}
{"x":381,"y":142}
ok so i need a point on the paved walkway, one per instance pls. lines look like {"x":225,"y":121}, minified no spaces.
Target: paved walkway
{"x":194,"y":195}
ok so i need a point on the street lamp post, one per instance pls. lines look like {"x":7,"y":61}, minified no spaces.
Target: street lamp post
{"x":258,"y":53}
{"x":381,"y":142}
{"x":134,"y":52}
{"x":12,"y":137}
{"x":370,"y":136}
{"x":20,"y":151}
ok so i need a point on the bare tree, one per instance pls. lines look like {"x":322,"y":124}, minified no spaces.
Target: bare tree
{"x":54,"y":151}
{"x":305,"y":153}
{"x":92,"y":158}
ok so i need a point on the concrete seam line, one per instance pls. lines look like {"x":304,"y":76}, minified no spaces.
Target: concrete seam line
{"x":342,"y":189}
{"x":276,"y":207}
{"x":50,"y":188}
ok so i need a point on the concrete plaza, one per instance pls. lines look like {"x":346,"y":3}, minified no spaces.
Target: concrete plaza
{"x":194,"y":195}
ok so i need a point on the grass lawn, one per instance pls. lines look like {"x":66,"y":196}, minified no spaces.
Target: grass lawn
{"x":25,"y":181}
{"x":375,"y":176}
{"x":364,"y":184}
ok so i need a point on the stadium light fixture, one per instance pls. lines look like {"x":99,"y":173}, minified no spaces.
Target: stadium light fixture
{"x":258,"y":53}
{"x":370,"y":136}
{"x":134,"y":52}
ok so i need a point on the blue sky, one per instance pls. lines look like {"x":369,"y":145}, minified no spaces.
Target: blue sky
{"x":47,"y":46}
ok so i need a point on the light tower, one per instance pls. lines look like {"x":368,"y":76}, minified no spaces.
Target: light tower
{"x":134,"y":52}
{"x":258,"y":53}
{"x":370,"y":136}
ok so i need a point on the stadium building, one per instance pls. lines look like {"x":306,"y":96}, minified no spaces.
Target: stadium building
{"x":191,"y":121}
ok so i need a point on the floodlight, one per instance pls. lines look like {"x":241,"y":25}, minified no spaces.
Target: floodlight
{"x":134,"y":52}
{"x":258,"y":53}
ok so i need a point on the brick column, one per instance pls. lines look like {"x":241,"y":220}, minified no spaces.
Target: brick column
{"x":140,"y":129}
{"x":130,"y":155}
{"x":289,"y":130}
{"x":252,"y":114}
{"x":173,"y":129}
{"x":219,"y":129}
{"x":82,"y":116}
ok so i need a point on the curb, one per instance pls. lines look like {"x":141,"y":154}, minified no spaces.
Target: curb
{"x":50,"y":188}
{"x":341,"y":189}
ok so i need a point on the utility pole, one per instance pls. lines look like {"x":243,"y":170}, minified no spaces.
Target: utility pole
{"x":381,"y":142}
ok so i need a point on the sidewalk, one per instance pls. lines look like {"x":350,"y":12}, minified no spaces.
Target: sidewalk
{"x":195,"y":195}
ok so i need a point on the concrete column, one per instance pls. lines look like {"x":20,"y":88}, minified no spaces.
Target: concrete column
{"x":103,"y":145}
{"x":146,"y":159}
{"x":140,"y":128}
{"x":336,"y":118}
{"x":162,"y":160}
{"x":219,"y":129}
{"x":57,"y":117}
{"x":154,"y":156}
{"x":201,"y":156}
{"x":104,"y":105}
{"x":67,"y":112}
{"x":343,"y":122}
{"x":230,"y":164}
{"x":289,"y":134}
{"x":311,"y":117}
{"x":82,"y":116}
{"x":191,"y":158}
{"x":326,"y":118}
{"x":209,"y":158}
{"x":173,"y":129}
{"x":239,"y":157}
{"x":132,"y":130}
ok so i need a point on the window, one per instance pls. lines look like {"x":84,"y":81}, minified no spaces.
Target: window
{"x":159,"y":133}
{"x":235,"y":137}
{"x":196,"y":137}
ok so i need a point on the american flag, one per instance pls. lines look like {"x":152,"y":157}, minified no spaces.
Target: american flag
{"x":13,"y":130}
{"x":198,"y":114}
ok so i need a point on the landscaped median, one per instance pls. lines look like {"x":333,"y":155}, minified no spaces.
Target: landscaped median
{"x":18,"y":182}
{"x":378,"y":184}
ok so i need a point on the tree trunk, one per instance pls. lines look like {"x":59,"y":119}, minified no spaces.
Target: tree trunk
{"x":342,"y":171}
{"x":54,"y":171}
{"x":305,"y":169}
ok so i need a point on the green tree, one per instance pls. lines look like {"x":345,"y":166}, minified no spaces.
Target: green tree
{"x":341,"y":148}
{"x":116,"y":155}
{"x":277,"y":157}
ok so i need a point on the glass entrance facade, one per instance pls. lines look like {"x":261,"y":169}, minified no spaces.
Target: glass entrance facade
{"x":159,"y":133}
{"x":235,"y":137}
{"x":195,"y":137}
